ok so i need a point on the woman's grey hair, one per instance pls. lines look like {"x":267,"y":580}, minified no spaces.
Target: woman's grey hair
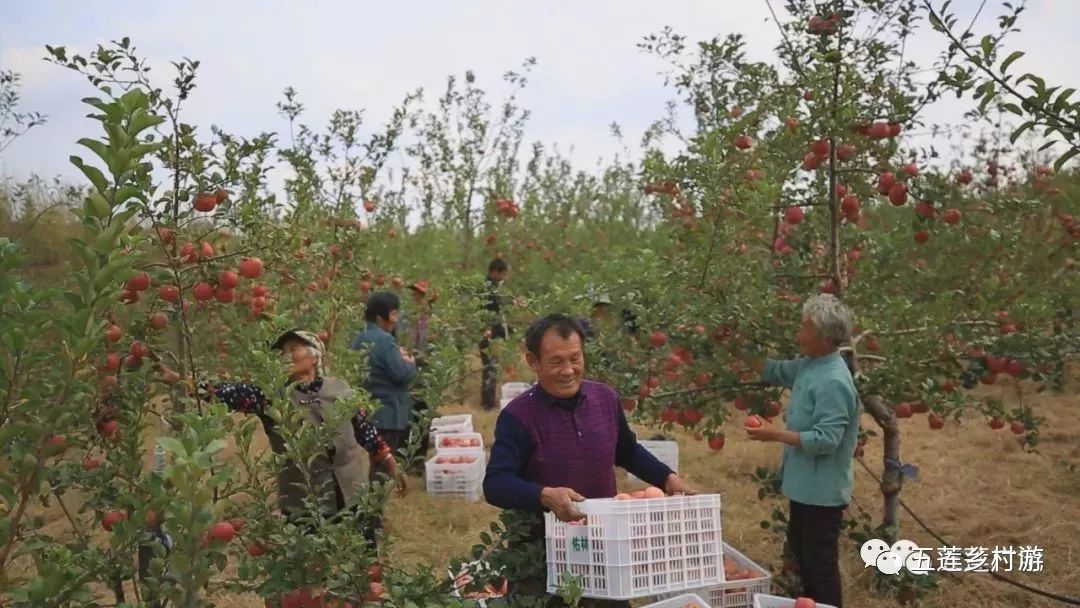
{"x":832,"y":318}
{"x":317,"y":356}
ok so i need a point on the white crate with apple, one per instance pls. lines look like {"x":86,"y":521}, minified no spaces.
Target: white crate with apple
{"x":627,"y":549}
{"x":762,"y":600}
{"x":743,"y":579}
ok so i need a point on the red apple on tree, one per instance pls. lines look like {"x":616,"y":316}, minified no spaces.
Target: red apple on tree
{"x":716,"y":443}
{"x":794,"y":215}
{"x":112,"y":518}
{"x":952,"y":216}
{"x":139,"y":282}
{"x":205,"y":202}
{"x":251,"y":268}
{"x":744,"y":142}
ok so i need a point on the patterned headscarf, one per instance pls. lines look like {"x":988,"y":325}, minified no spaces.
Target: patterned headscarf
{"x":312,"y":340}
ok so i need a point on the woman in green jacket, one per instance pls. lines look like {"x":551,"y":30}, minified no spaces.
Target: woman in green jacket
{"x":819,"y":442}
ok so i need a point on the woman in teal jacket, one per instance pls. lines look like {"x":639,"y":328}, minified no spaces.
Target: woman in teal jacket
{"x":390,"y":368}
{"x":819,"y":443}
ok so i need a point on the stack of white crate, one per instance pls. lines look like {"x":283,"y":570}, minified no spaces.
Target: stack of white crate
{"x":457,"y":470}
{"x":512,"y":390}
{"x":666,"y":452}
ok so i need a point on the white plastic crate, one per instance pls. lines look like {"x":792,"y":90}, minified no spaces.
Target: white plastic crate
{"x":446,"y":477}
{"x":458,"y":443}
{"x":460,"y":423}
{"x":666,"y":452}
{"x":686,"y":600}
{"x":513,"y":389}
{"x":737,"y":593}
{"x":462,"y":579}
{"x":762,"y":600}
{"x":628,"y":549}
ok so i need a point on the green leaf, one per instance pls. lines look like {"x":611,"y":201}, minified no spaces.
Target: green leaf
{"x":1065,"y":158}
{"x":1012,"y":107}
{"x":1063,"y":100}
{"x":141,"y":120}
{"x":97,"y":207}
{"x":1010,"y":59}
{"x":98,"y":147}
{"x":1020,"y":130}
{"x":109,"y":272}
{"x":96,"y":177}
{"x":987,"y":46}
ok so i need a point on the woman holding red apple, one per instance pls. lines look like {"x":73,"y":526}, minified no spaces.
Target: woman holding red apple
{"x":337,"y":475}
{"x":822,"y":430}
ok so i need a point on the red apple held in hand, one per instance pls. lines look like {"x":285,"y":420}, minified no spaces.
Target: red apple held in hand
{"x":139,"y":282}
{"x":805,"y":602}
{"x":716,"y":443}
{"x":205,"y":202}
{"x":753,"y":422}
{"x":251,"y":268}
{"x":112,"y":518}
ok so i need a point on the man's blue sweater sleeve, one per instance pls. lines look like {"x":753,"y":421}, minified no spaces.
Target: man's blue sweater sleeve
{"x":504,"y":486}
{"x":632,"y":456}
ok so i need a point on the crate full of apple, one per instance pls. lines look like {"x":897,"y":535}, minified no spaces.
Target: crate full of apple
{"x":629,"y":547}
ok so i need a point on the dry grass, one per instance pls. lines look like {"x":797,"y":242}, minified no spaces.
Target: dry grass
{"x":976,"y":488}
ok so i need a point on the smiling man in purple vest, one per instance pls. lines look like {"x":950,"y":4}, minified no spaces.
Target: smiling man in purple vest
{"x":559,"y":442}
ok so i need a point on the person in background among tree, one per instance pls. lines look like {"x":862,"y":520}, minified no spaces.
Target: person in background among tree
{"x":819,"y":442}
{"x":418,"y":345}
{"x":498,"y":271}
{"x":559,"y":442}
{"x":391,"y":368}
{"x":337,"y":475}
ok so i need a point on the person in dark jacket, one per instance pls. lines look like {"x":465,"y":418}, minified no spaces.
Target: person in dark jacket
{"x":498,"y":270}
{"x":391,"y":368}
{"x":559,"y":442}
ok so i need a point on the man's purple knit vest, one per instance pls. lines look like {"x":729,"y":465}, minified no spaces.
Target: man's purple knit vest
{"x":574,"y":448}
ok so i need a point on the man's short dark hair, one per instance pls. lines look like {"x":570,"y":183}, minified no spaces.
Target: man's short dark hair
{"x":380,"y":304}
{"x":564,"y":326}
{"x":498,"y":265}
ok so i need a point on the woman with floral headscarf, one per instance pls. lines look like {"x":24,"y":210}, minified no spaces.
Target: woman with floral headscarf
{"x":337,"y":475}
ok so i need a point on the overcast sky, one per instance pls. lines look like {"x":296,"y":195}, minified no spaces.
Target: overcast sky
{"x":367,"y":55}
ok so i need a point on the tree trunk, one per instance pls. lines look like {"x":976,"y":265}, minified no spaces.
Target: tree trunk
{"x":893,"y":479}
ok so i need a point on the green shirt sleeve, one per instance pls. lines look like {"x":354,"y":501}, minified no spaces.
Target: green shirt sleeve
{"x":782,"y":373}
{"x":834,"y":405}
